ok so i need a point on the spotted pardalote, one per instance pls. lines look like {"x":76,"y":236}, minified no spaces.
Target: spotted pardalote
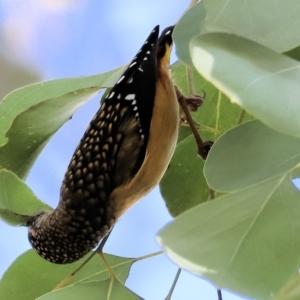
{"x":121,"y":157}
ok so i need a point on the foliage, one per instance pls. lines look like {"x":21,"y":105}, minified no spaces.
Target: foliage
{"x":245,"y":239}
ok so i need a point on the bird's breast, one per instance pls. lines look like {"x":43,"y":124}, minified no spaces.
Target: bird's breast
{"x":160,"y":148}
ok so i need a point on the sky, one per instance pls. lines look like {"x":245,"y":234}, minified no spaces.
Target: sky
{"x":70,"y":38}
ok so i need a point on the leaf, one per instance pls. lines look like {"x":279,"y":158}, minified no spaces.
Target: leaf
{"x":249,"y":154}
{"x":294,"y":53}
{"x":214,"y":117}
{"x":22,"y":116}
{"x":273,"y":24}
{"x":17,"y":201}
{"x":185,"y":168}
{"x":97,"y":271}
{"x":23,"y":98}
{"x":246,"y":241}
{"x":263,"y":82}
{"x":30,"y":270}
{"x":12,"y":218}
{"x":291,"y":291}
{"x":92,"y":291}
{"x":188,"y":27}
{"x":217,"y":114}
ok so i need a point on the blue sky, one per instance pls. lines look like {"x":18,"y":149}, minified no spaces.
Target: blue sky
{"x":70,"y":38}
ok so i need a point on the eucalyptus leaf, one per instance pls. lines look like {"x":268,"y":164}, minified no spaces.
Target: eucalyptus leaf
{"x":29,"y":116}
{"x":294,"y":53}
{"x":91,"y":291}
{"x":246,"y":241}
{"x":249,"y":154}
{"x":186,"y":167}
{"x":291,"y":291}
{"x":263,"y":82}
{"x":188,"y":27}
{"x":17,"y":201}
{"x":214,"y":117}
{"x":217,"y":114}
{"x":30,"y":270}
{"x":273,"y":24}
{"x":23,"y":98}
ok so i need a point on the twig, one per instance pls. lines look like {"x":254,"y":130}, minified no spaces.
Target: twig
{"x":219,"y":294}
{"x":173,"y":285}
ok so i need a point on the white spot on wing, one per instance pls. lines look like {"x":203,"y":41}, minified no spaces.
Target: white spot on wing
{"x":130,"y":80}
{"x":134,"y":63}
{"x":168,"y":32}
{"x":130,"y":97}
{"x":111,"y":95}
{"x":119,"y":96}
{"x":141,"y":70}
{"x":122,"y":77}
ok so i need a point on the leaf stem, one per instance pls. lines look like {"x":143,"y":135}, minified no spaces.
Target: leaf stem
{"x":148,"y":255}
{"x":212,"y":194}
{"x":219,"y":294}
{"x":190,"y":80}
{"x":69,"y":277}
{"x":173,"y":285}
{"x":242,"y":114}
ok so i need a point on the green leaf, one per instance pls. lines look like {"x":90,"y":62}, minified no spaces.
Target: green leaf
{"x":23,"y":125}
{"x":291,"y":291}
{"x":30,"y":270}
{"x":23,"y":98}
{"x":17,"y":201}
{"x":92,"y":291}
{"x":185,"y":168}
{"x":217,"y":114}
{"x":97,"y":271}
{"x":186,"y":28}
{"x":294,"y":53}
{"x":214,"y":117}
{"x":258,"y":79}
{"x":184,"y":132}
{"x":246,"y":241}
{"x":249,"y":154}
{"x":273,"y":24}
{"x":12,"y":218}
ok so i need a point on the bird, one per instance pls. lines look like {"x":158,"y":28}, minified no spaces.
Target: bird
{"x":121,"y":157}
